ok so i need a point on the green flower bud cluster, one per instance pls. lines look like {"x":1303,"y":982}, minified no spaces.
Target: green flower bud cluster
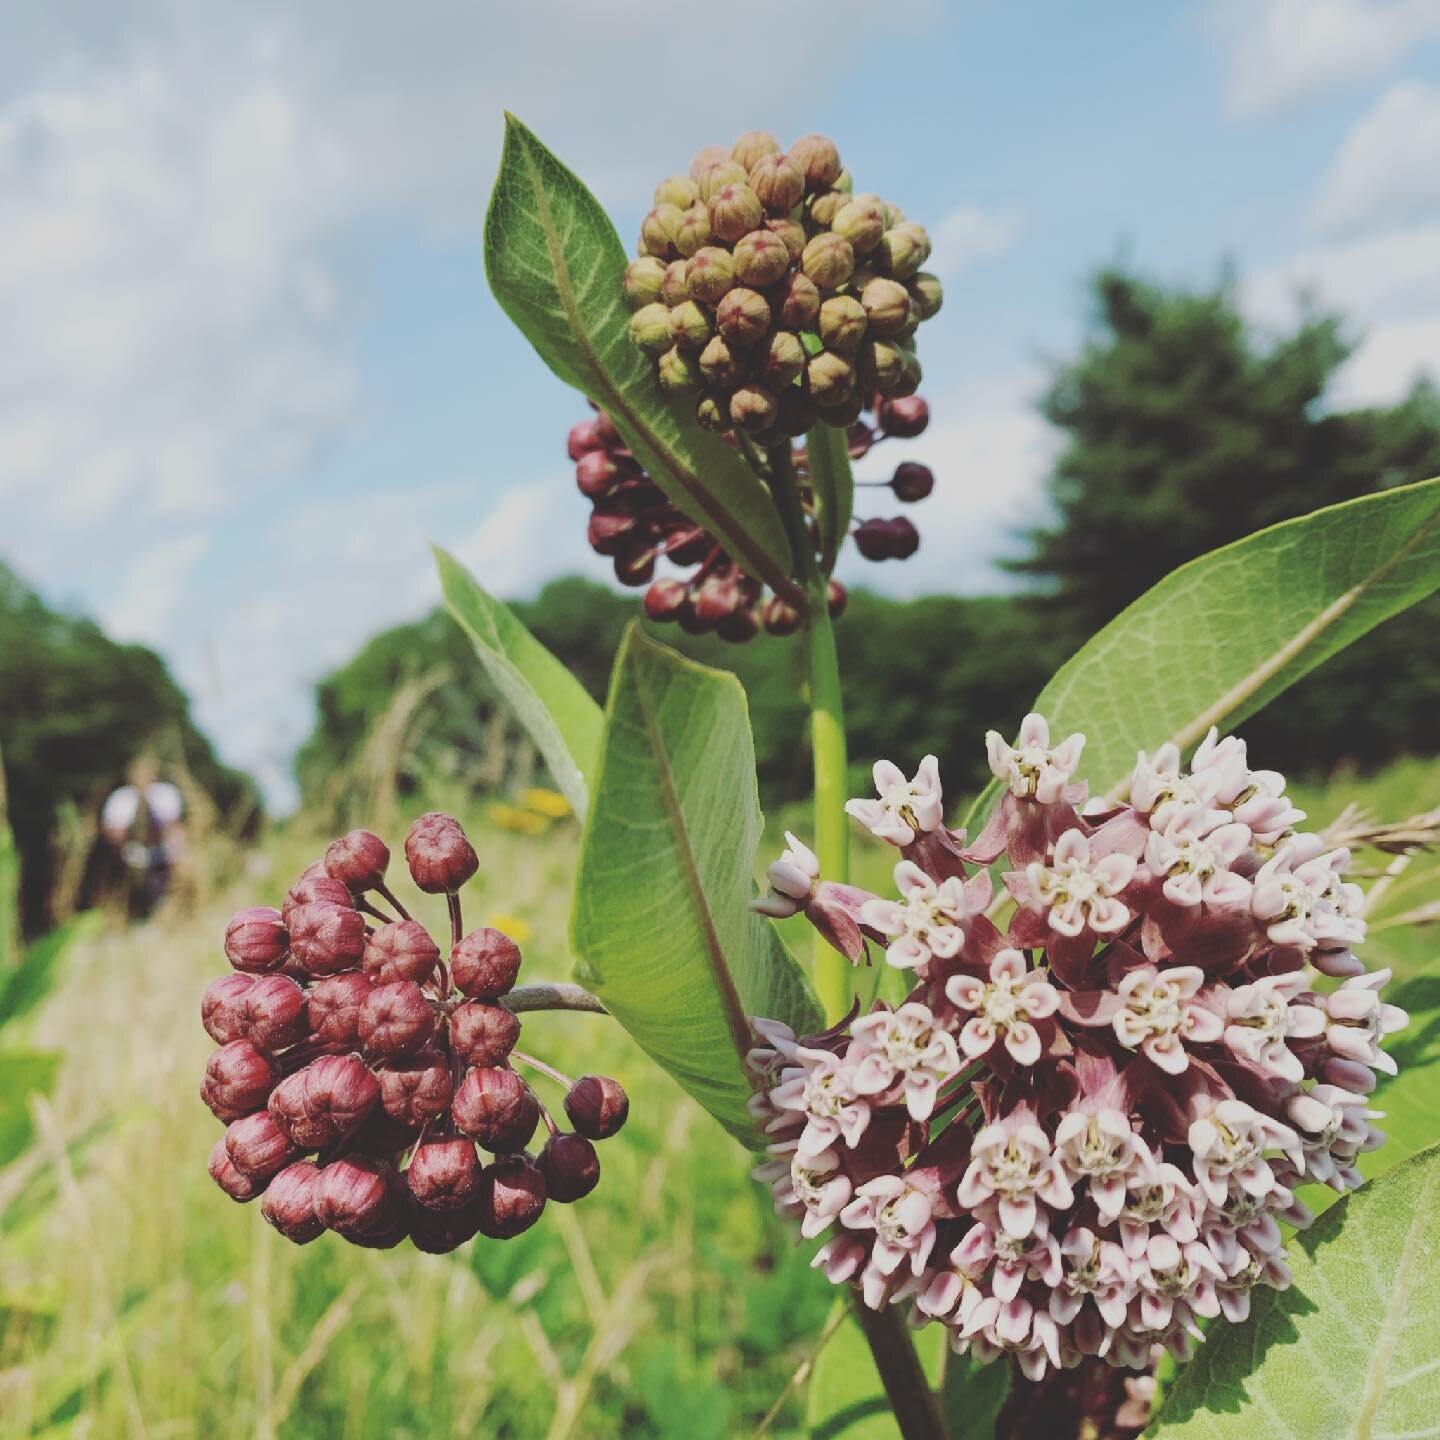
{"x":773,"y":295}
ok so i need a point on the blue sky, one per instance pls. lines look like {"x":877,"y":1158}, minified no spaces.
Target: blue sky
{"x":250,"y":364}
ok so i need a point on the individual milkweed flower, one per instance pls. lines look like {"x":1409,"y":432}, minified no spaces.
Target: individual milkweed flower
{"x":1009,"y":1260}
{"x":840,"y":1258}
{"x":792,"y":880}
{"x":903,"y":1048}
{"x":904,"y":808}
{"x":1158,"y":1014}
{"x":1229,"y":1144}
{"x":1030,"y":767}
{"x":1159,"y":788}
{"x":1162,"y":1198}
{"x":1254,"y":797}
{"x":1102,"y":1149}
{"x":1192,"y":857}
{"x":1006,"y":1005}
{"x":926,"y":921}
{"x":1260,"y":1019}
{"x":1334,"y":1127}
{"x":901,"y":1215}
{"x":1358,"y":1020}
{"x":1077,"y":889}
{"x":812,"y":1187}
{"x":1233,"y":1292}
{"x":820,"y":1089}
{"x":1091,"y":1269}
{"x":1167,"y":1273}
{"x":1011,"y":1163}
{"x":1016,"y":1327}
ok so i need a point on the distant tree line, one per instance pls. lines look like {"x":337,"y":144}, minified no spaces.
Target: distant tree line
{"x":76,"y":709}
{"x":1185,"y":429}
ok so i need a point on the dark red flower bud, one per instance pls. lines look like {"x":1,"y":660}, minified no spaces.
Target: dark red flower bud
{"x":228,"y":1178}
{"x":441,"y":859}
{"x":319,"y":889}
{"x":512,"y":1195}
{"x":394,"y":1230}
{"x":358,"y":861}
{"x":402,"y":950}
{"x":438,"y":1232}
{"x":221,"y":1007}
{"x":904,"y":418}
{"x":743,"y":625}
{"x":609,"y":529}
{"x":396,"y":1019}
{"x":326,"y":1100}
{"x":836,"y":599}
{"x":444,"y":1174}
{"x":781,"y":618}
{"x":484,"y":964}
{"x":607,"y":430}
{"x":327,"y":938}
{"x":637,"y":568}
{"x":876,"y":539}
{"x":356,"y":1194}
{"x":665,"y":599}
{"x":335,"y":1006}
{"x":258,"y":1147}
{"x":415,"y":1089}
{"x":596,"y":474}
{"x":497,"y":1108}
{"x":289,"y":1203}
{"x":860,"y":437}
{"x":906,"y":538}
{"x":570,"y":1166}
{"x":256,"y":941}
{"x":717,"y":599}
{"x":597,"y":1106}
{"x":583,"y":438}
{"x":482,"y":1034}
{"x":274,"y":1013}
{"x":238,"y":1080}
{"x":912,"y":481}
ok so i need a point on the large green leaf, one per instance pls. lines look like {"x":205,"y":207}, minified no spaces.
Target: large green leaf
{"x":833,"y":484}
{"x":662,"y":919}
{"x":1220,"y":637}
{"x":23,"y":1073}
{"x":556,"y":264}
{"x":552,"y":705}
{"x":1349,"y":1349}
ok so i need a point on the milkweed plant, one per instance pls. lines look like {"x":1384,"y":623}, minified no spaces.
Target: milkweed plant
{"x":1056,"y":1109}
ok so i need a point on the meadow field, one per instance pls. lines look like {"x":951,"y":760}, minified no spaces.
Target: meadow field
{"x":137,"y":1300}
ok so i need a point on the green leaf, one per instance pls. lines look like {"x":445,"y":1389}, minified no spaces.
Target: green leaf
{"x":23,"y":1073}
{"x":972,"y":1397}
{"x":28,"y":983}
{"x":556,"y":265}
{"x":1349,"y":1349}
{"x":552,"y":705}
{"x":833,"y":482}
{"x":662,"y":918}
{"x":1222,"y":636}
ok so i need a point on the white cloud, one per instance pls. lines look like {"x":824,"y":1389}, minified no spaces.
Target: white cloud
{"x":990,"y":451}
{"x":972,"y":232}
{"x":151,"y":587}
{"x":1387,"y":170}
{"x":1277,"y":52}
{"x":184,"y":188}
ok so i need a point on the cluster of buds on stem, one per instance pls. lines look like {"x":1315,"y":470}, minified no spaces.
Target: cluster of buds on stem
{"x":1079,"y":1135}
{"x":772,"y":292}
{"x":358,"y":1071}
{"x":634,"y":524}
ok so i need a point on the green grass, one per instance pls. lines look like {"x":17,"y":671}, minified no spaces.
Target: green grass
{"x":136,"y":1300}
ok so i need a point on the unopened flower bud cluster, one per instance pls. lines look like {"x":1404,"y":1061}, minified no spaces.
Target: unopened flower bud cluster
{"x":636,"y":526}
{"x":358,"y":1072}
{"x":770,"y":291}
{"x":1081,"y":1134}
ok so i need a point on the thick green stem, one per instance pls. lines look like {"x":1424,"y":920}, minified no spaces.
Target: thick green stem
{"x":889,"y":1339}
{"x":827,"y":726}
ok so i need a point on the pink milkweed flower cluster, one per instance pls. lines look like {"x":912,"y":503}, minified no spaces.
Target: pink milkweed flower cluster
{"x":1080,"y":1134}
